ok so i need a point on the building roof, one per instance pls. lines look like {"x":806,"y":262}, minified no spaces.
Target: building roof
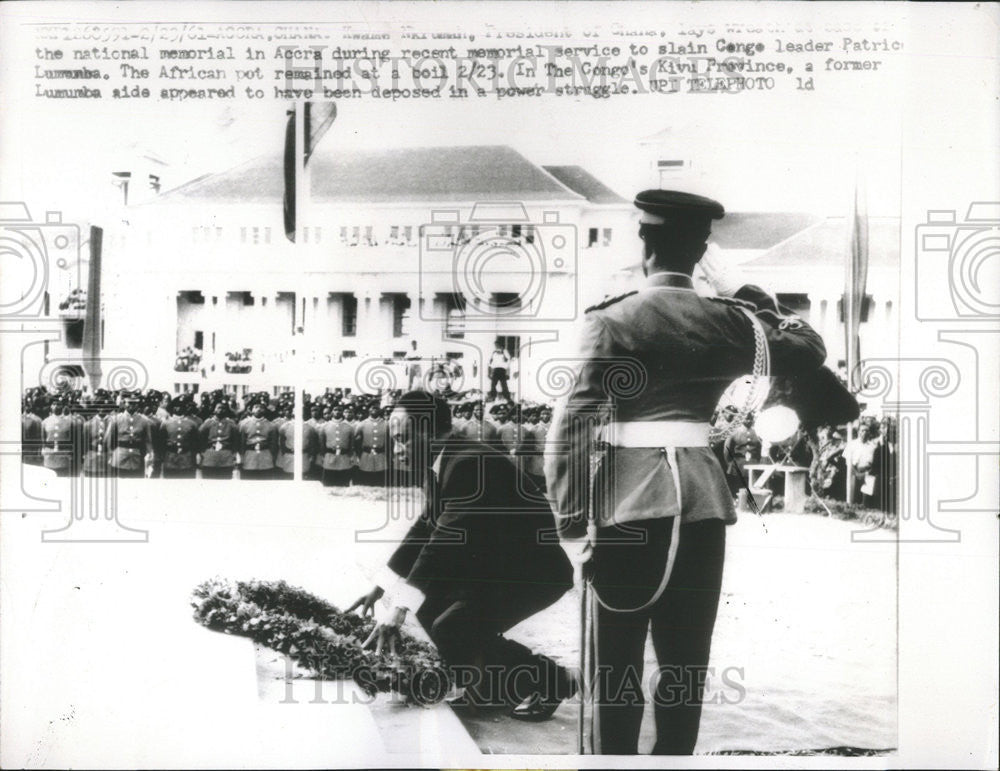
{"x":759,"y":230}
{"x":479,"y":173}
{"x":581,"y":181}
{"x":825,"y":245}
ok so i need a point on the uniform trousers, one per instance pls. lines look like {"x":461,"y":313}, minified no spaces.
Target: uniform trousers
{"x":217,"y":472}
{"x":260,"y":473}
{"x":372,"y":478}
{"x":337,"y":477}
{"x":179,"y":473}
{"x":467,"y":627}
{"x":681,"y":622}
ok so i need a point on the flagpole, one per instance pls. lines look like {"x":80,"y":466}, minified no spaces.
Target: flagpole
{"x":855,"y":282}
{"x":301,"y":203}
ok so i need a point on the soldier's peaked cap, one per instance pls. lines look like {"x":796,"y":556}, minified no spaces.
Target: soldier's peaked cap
{"x":660,"y":206}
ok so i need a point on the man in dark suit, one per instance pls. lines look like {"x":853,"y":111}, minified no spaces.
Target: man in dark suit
{"x":480,"y":559}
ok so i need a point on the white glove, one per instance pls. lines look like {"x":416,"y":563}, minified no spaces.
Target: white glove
{"x":724,"y":277}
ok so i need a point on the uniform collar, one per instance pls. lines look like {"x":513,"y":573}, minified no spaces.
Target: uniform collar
{"x":670,"y":279}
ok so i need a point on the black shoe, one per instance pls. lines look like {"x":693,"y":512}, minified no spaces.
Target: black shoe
{"x":538,"y":708}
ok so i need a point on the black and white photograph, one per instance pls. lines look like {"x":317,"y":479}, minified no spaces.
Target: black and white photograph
{"x":502,"y":384}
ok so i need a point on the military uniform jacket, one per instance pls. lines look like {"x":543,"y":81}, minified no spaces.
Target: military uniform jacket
{"x":95,"y":455}
{"x":509,"y":436}
{"x":485,"y":526}
{"x":31,"y":438}
{"x":338,"y":444}
{"x":258,"y":444}
{"x":678,"y":353}
{"x":533,"y":448}
{"x":59,"y":433}
{"x":180,"y":441}
{"x":480,"y":431}
{"x":286,"y":445}
{"x":128,"y":440}
{"x":371,"y":438}
{"x":218,"y":443}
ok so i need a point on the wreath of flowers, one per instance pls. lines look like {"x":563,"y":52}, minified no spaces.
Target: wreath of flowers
{"x":319,"y":637}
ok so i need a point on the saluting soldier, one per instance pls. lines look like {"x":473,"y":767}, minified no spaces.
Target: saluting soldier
{"x":258,"y":444}
{"x":59,"y":431}
{"x":662,"y":502}
{"x":219,"y":441}
{"x":339,"y":455}
{"x":371,"y":438}
{"x":180,"y":440}
{"x":129,"y":440}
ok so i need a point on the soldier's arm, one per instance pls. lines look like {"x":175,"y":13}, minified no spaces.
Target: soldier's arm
{"x":795,"y":347}
{"x":569,"y":441}
{"x":111,"y":436}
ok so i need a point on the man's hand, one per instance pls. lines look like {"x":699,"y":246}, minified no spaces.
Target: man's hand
{"x":387,"y":632}
{"x":367,"y":601}
{"x":724,"y":277}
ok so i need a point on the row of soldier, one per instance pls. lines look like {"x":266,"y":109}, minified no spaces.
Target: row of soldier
{"x":345,"y":438}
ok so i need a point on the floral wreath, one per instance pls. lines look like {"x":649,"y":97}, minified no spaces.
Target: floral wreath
{"x":319,"y":637}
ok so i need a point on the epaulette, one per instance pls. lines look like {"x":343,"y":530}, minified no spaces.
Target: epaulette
{"x":738,"y":303}
{"x":610,"y":301}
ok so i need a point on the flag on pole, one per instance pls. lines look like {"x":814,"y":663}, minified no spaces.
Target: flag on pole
{"x":92,"y":317}
{"x":317,"y":119}
{"x":855,"y":280}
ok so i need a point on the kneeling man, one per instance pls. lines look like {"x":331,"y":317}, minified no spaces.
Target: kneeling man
{"x":482,"y":557}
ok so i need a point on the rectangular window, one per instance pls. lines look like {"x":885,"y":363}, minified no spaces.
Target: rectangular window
{"x":529,"y":234}
{"x":369,"y":237}
{"x":515,"y":232}
{"x":355,"y":235}
{"x":343,"y":234}
{"x":394,"y":233}
{"x":349,"y":317}
{"x":607,"y":237}
{"x":400,"y":306}
{"x":256,"y":235}
{"x":408,"y":233}
{"x":592,"y":237}
{"x":454,"y":325}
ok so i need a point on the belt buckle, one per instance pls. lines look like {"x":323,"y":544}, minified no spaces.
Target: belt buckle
{"x":218,"y":446}
{"x":256,"y":447}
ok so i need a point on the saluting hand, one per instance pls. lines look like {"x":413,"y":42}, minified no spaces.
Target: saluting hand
{"x":724,"y":277}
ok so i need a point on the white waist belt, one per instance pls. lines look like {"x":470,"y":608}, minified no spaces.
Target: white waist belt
{"x":656,"y":433}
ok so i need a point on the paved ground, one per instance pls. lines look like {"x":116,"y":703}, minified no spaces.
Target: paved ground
{"x":100,"y":662}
